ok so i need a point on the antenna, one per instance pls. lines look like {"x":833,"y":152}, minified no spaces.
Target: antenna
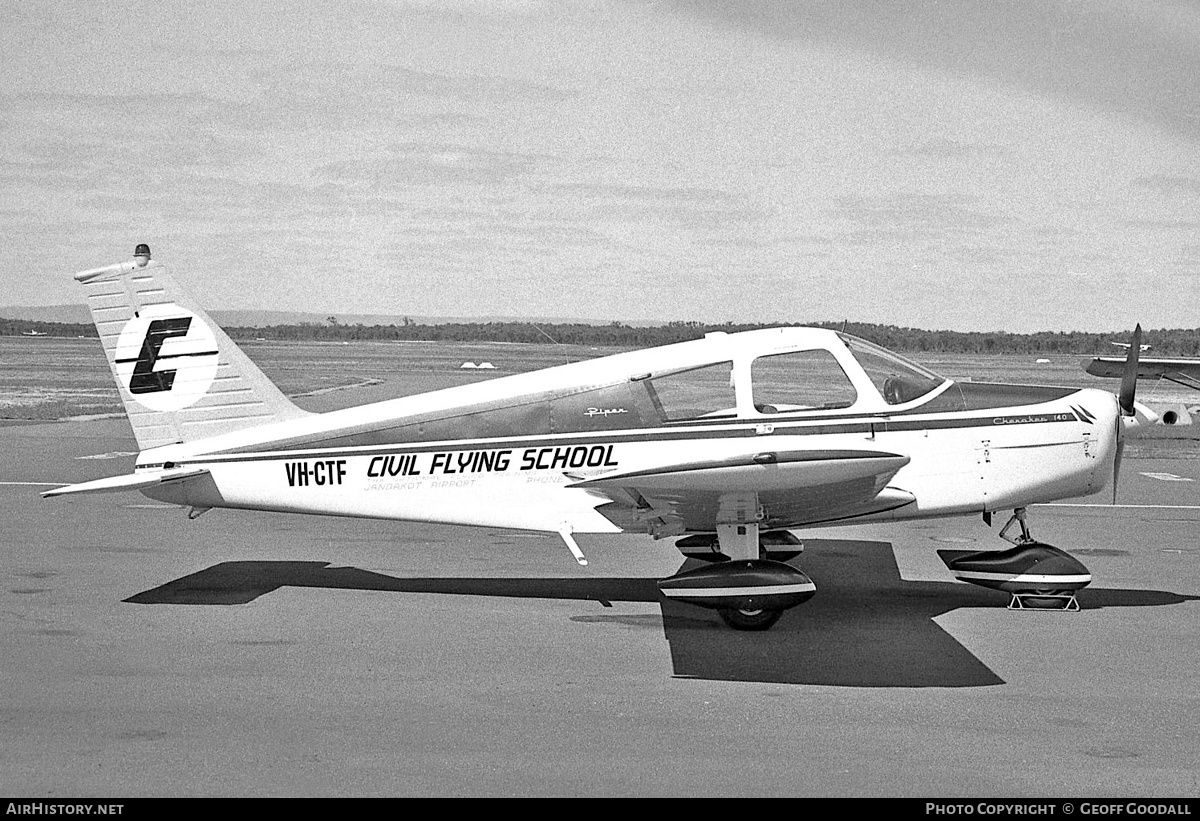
{"x":566,"y":355}
{"x":543,"y":333}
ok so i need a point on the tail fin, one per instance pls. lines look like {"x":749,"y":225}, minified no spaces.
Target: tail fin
{"x":181,"y":378}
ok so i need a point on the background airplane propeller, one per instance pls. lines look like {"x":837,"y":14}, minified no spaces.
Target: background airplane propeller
{"x":1125,"y":399}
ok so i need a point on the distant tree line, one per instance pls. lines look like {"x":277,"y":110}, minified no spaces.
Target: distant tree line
{"x":1169,"y":342}
{"x":16,"y":327}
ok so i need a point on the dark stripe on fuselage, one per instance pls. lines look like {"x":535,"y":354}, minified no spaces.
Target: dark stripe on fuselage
{"x":872,"y":425}
{"x":959,"y":397}
{"x":952,"y":399}
{"x":161,"y":357}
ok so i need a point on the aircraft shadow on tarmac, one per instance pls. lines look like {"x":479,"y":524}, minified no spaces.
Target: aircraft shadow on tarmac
{"x":866,"y":627}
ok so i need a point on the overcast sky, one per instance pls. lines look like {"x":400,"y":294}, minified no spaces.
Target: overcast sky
{"x":999,"y":165}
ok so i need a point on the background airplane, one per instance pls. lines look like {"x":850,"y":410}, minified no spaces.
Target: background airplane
{"x":1180,"y":370}
{"x":726,"y":444}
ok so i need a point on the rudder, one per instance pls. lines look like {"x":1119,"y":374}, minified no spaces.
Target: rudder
{"x":180,"y":377}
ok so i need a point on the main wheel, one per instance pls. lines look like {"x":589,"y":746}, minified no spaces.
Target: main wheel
{"x":755,"y":619}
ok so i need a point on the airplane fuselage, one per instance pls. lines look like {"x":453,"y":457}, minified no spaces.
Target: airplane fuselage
{"x":958,"y":462}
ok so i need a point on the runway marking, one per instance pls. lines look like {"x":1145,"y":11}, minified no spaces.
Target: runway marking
{"x":1167,"y":477}
{"x":116,"y":454}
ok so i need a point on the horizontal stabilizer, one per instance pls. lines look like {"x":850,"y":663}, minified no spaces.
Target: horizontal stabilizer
{"x":135,"y":481}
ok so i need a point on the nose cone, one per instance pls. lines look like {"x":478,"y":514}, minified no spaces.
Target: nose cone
{"x":1104,"y":407}
{"x":1142,"y":417}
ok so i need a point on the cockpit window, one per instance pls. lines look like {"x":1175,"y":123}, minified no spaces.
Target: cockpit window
{"x":804,"y":380}
{"x":897,"y":379}
{"x":694,"y":393}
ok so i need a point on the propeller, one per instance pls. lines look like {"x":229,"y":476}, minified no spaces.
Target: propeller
{"x":1129,"y":376}
{"x":1125,"y":399}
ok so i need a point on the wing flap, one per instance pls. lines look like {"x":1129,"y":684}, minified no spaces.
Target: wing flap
{"x":794,"y":488}
{"x":135,"y":481}
{"x":759,"y":472}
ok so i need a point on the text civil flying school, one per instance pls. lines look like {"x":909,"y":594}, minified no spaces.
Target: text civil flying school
{"x":444,"y":463}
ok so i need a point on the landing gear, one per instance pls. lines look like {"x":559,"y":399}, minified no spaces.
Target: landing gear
{"x":780,"y":545}
{"x":749,"y":594}
{"x":1036,"y":575}
{"x":1018,"y":518}
{"x":747,"y":581}
{"x":1044,"y":600}
{"x":749,"y":619}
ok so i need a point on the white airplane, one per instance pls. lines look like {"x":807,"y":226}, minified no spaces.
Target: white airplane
{"x":34,"y":333}
{"x":726,"y":443}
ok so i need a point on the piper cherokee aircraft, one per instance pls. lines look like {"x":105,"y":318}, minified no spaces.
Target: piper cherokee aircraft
{"x":725,"y":443}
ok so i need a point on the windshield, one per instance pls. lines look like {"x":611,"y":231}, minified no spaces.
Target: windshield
{"x":897,"y":379}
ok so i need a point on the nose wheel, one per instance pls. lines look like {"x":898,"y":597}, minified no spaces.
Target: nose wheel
{"x":1044,"y":600}
{"x":1037,"y":576}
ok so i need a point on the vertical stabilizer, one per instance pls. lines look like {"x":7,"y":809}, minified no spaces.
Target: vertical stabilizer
{"x":180,"y":377}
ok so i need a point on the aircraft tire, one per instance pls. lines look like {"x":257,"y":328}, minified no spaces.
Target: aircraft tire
{"x":757,"y":619}
{"x":1044,"y":599}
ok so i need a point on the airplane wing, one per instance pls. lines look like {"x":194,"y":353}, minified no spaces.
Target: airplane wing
{"x":793,"y":487}
{"x":1181,"y":371}
{"x":133,"y":481}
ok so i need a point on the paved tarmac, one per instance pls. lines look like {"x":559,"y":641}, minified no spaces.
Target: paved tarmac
{"x":246,"y":654}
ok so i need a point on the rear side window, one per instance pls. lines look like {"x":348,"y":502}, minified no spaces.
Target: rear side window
{"x":802,"y":380}
{"x":696,"y":393}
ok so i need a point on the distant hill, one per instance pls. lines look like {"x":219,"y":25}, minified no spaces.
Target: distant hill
{"x":67,"y":314}
{"x":286,"y":325}
{"x":78,"y":314}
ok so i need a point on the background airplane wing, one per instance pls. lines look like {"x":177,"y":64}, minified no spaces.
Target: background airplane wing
{"x":1181,"y":371}
{"x":794,"y":488}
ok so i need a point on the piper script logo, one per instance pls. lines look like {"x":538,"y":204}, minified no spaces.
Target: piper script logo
{"x":166,"y":358}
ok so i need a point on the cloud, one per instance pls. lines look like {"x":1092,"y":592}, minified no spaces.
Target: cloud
{"x":1164,"y":224}
{"x":1138,"y":58}
{"x":401,"y":166}
{"x":909,"y":217}
{"x":1169,"y":186}
{"x":943,"y":149}
{"x":685,"y":207}
{"x":382,"y":86}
